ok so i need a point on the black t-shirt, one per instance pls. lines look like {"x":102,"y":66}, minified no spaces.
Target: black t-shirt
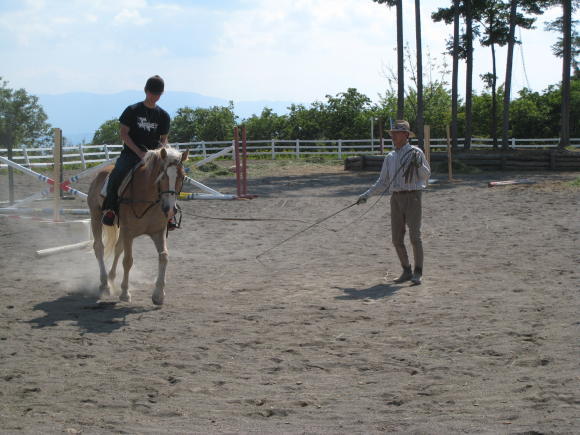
{"x":146,"y":125}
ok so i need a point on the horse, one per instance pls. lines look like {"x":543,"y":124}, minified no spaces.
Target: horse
{"x":146,"y":204}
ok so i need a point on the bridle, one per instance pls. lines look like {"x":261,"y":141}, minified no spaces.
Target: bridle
{"x":160,"y":193}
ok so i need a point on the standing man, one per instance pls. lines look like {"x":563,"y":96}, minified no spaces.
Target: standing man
{"x":144,"y":126}
{"x":405,"y":174}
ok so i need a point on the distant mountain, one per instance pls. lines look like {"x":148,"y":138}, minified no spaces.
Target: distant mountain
{"x":80,"y":114}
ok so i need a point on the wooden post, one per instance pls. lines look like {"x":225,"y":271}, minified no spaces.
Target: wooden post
{"x":57,"y":172}
{"x":237,"y":158}
{"x":427,"y":142}
{"x":244,"y":159}
{"x":449,"y":160}
{"x":273,"y":149}
{"x":339,"y":144}
{"x":297,"y":148}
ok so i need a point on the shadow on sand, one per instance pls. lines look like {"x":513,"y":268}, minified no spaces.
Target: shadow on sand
{"x":90,"y":314}
{"x":378,"y":291}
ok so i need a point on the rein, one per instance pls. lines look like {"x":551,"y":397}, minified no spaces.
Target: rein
{"x":151,"y":203}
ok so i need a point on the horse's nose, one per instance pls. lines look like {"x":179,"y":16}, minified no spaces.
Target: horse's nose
{"x":165,"y":209}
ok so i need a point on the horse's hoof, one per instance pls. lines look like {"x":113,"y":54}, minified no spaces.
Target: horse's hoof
{"x":157,"y":300}
{"x":125,"y":297}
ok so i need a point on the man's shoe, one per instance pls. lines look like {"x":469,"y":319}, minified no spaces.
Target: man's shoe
{"x":109,"y":218}
{"x":417,"y":276}
{"x":405,"y":276}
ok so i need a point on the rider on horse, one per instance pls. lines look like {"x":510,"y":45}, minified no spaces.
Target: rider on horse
{"x":144,"y":126}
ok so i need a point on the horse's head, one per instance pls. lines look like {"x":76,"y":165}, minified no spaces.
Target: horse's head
{"x":171,"y":178}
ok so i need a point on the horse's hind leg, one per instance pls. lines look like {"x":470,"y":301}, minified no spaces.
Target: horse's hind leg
{"x":127,"y":246}
{"x":99,"y":248}
{"x":161,"y":245}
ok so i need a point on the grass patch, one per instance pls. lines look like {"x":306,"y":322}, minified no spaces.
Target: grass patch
{"x":574,"y":183}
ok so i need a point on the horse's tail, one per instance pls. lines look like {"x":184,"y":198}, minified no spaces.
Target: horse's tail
{"x":111,"y":235}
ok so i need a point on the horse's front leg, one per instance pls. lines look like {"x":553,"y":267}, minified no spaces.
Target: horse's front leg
{"x":127,"y":264}
{"x":161,"y":245}
{"x":113,"y":270}
{"x":99,"y":248}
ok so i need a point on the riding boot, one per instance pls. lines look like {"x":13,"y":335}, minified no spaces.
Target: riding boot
{"x":406,"y":275}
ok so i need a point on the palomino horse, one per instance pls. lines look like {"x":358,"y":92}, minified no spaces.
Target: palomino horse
{"x":147,"y":203}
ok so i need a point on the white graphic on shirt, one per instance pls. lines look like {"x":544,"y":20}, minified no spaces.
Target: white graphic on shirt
{"x":145,"y":125}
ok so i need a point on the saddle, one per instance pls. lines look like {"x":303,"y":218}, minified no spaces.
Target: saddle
{"x":124,"y":183}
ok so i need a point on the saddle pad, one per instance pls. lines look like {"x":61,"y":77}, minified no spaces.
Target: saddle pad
{"x":124,"y":183}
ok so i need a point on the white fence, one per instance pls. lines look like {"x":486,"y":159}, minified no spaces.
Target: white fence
{"x":83,"y":155}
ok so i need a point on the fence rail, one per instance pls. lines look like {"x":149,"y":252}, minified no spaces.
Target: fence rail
{"x":83,"y":155}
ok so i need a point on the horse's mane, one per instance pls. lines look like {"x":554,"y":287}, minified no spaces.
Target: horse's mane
{"x":152,"y":160}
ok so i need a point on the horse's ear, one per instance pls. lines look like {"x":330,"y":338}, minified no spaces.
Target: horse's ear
{"x":184,"y":156}
{"x":163,"y":153}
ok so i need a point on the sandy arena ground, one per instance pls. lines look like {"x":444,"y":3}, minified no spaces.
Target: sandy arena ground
{"x":317,"y":339}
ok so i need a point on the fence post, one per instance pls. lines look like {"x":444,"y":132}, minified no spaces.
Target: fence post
{"x":297,"y":148}
{"x":273,"y":149}
{"x":514,"y":143}
{"x":203,"y":149}
{"x":25,"y":152}
{"x":7,"y":138}
{"x":106,"y":152}
{"x":57,"y":158}
{"x":339,"y":149}
{"x":82,"y":154}
{"x":427,"y":142}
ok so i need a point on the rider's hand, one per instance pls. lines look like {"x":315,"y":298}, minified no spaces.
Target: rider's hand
{"x":361,"y":199}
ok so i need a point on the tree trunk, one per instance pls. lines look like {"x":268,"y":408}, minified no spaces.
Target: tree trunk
{"x":420,"y":109}
{"x":566,"y":61}
{"x":508,"y":75}
{"x":468,"y":75}
{"x":494,"y":98}
{"x":400,"y":63}
{"x":454,"y":93}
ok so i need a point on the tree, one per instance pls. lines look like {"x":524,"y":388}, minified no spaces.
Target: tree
{"x":558,"y":47}
{"x":468,"y":73}
{"x":492,"y":15}
{"x":200,"y":124}
{"x":454,"y":93}
{"x":420,"y":104}
{"x":346,"y":115}
{"x":266,"y":126}
{"x":400,"y":55}
{"x":529,"y":6}
{"x":108,"y":133}
{"x":22,"y":119}
{"x":463,"y":47}
{"x":566,"y":63}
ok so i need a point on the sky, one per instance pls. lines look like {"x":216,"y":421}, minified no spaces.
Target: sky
{"x":291,"y":50}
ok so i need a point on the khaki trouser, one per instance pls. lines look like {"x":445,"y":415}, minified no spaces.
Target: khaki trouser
{"x":406,"y":211}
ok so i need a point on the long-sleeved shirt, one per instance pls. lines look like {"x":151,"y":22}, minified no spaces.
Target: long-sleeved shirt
{"x":393,"y":174}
